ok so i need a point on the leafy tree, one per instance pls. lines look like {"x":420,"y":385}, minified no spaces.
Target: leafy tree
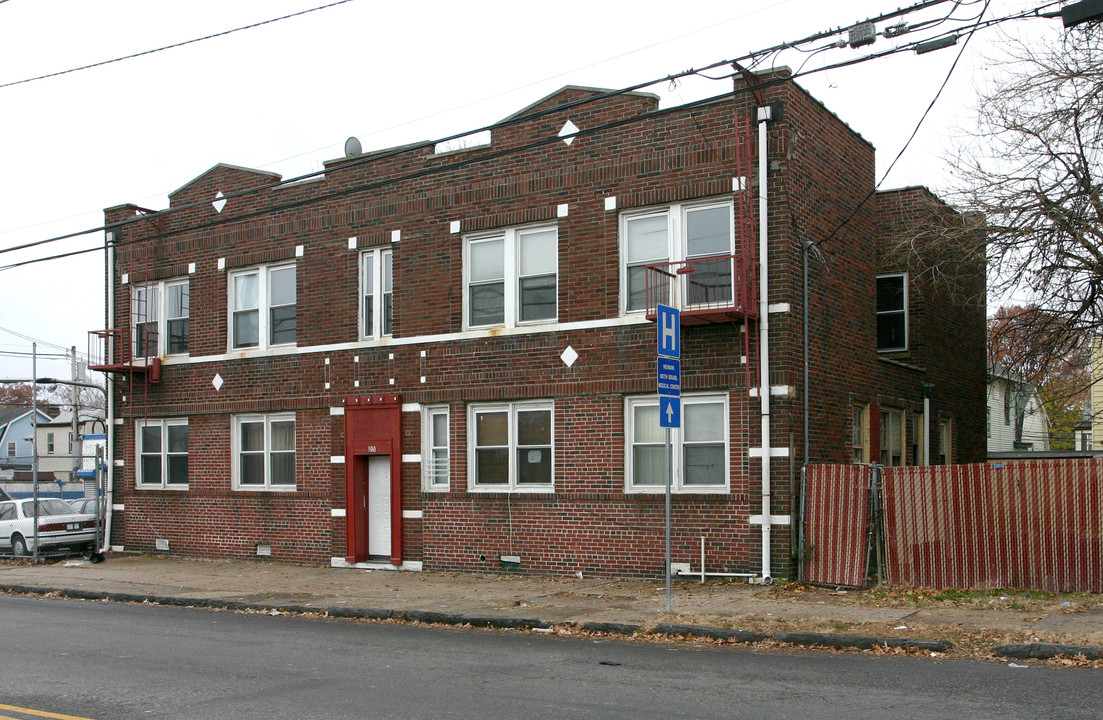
{"x":1040,"y":348}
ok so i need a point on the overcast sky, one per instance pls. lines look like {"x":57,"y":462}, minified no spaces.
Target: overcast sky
{"x":284,"y":97}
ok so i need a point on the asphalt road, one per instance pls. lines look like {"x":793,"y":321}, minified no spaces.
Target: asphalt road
{"x":121,"y":662}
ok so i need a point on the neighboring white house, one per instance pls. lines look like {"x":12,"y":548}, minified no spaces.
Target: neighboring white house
{"x":1017,"y":421}
{"x":57,"y":452}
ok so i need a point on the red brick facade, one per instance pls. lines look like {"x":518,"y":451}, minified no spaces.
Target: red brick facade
{"x":352,"y":399}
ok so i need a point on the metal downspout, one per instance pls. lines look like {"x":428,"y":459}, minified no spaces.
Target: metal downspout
{"x":109,"y":430}
{"x":764,"y":114}
{"x":806,"y":247}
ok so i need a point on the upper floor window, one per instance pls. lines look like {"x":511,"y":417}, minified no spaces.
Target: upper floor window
{"x":511,"y":446}
{"x":50,"y":443}
{"x":892,"y":312}
{"x":376,"y":306}
{"x":264,"y":452}
{"x":262,"y":307}
{"x":435,"y":448}
{"x":699,"y":449}
{"x":510,"y":277}
{"x":699,"y":235}
{"x":11,"y":449}
{"x":160,"y":311}
{"x":162,"y":449}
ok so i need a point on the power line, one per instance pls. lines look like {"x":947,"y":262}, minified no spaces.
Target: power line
{"x":169,"y":47}
{"x":382,"y":155}
{"x":938,"y":94}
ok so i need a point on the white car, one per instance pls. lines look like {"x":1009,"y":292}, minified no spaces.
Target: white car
{"x":58,"y":526}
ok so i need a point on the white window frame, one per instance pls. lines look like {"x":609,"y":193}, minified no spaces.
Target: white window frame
{"x":49,"y":443}
{"x":158,"y":307}
{"x":946,"y":441}
{"x":678,"y":444}
{"x":677,"y":241}
{"x":267,"y":451}
{"x":12,"y":452}
{"x":512,"y":274}
{"x":902,"y":311}
{"x":165,"y":453}
{"x":436,"y":455}
{"x":377,"y":282}
{"x":263,"y":308}
{"x":514,"y":449}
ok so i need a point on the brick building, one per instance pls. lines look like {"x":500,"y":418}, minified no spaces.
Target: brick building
{"x":446,"y":359}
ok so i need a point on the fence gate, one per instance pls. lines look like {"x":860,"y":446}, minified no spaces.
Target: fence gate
{"x":838,"y":536}
{"x":1031,"y":525}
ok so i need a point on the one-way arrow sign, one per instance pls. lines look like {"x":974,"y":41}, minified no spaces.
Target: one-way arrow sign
{"x":670,"y":411}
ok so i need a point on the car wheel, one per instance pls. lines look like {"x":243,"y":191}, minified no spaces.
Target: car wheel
{"x":19,"y":545}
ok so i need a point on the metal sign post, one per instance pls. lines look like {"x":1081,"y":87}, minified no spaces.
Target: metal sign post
{"x":668,"y":381}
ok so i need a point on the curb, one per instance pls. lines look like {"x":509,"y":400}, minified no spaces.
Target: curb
{"x":1046,"y":651}
{"x":861,"y":642}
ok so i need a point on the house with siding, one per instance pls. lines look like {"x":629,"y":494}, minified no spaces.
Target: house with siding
{"x":447,"y":359}
{"x":17,"y":428}
{"x":1017,"y":420}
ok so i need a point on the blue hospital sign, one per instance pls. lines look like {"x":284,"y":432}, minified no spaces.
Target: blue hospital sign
{"x":670,"y":331}
{"x":668,"y":376}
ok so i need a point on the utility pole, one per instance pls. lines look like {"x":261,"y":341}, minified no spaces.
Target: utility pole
{"x":34,"y":448}
{"x":74,"y":435}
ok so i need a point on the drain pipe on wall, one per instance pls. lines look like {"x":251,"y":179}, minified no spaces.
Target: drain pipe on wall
{"x":109,"y":430}
{"x":765,"y":115}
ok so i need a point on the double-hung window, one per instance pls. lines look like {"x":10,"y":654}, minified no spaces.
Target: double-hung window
{"x":162,"y":450}
{"x":699,"y":449}
{"x":376,"y":293}
{"x":859,"y":433}
{"x":160,"y":311}
{"x":511,"y":446}
{"x":262,"y":307}
{"x":511,"y":277}
{"x":699,"y":237}
{"x":892,"y":437}
{"x":264,"y":452}
{"x":892,"y":312}
{"x":435,"y":448}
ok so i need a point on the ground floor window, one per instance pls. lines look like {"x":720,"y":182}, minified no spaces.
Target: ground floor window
{"x":699,"y":449}
{"x":892,"y":437}
{"x":434,"y":453}
{"x":859,"y":433}
{"x":945,"y":441}
{"x":511,"y":446}
{"x":264,"y":452}
{"x":162,"y":450}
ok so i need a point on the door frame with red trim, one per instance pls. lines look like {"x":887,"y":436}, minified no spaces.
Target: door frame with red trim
{"x":372,"y":427}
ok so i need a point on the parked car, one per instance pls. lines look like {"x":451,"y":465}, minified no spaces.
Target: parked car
{"x":58,"y":526}
{"x":85,"y":505}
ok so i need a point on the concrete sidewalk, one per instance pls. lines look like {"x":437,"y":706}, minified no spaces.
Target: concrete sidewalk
{"x":720,"y":610}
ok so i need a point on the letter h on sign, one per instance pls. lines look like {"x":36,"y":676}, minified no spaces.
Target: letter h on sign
{"x":670,"y":331}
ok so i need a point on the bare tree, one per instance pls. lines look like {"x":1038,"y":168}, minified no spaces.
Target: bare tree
{"x":1033,"y":168}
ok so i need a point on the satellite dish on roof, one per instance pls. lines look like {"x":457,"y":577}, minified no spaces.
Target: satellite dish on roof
{"x":352,"y":147}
